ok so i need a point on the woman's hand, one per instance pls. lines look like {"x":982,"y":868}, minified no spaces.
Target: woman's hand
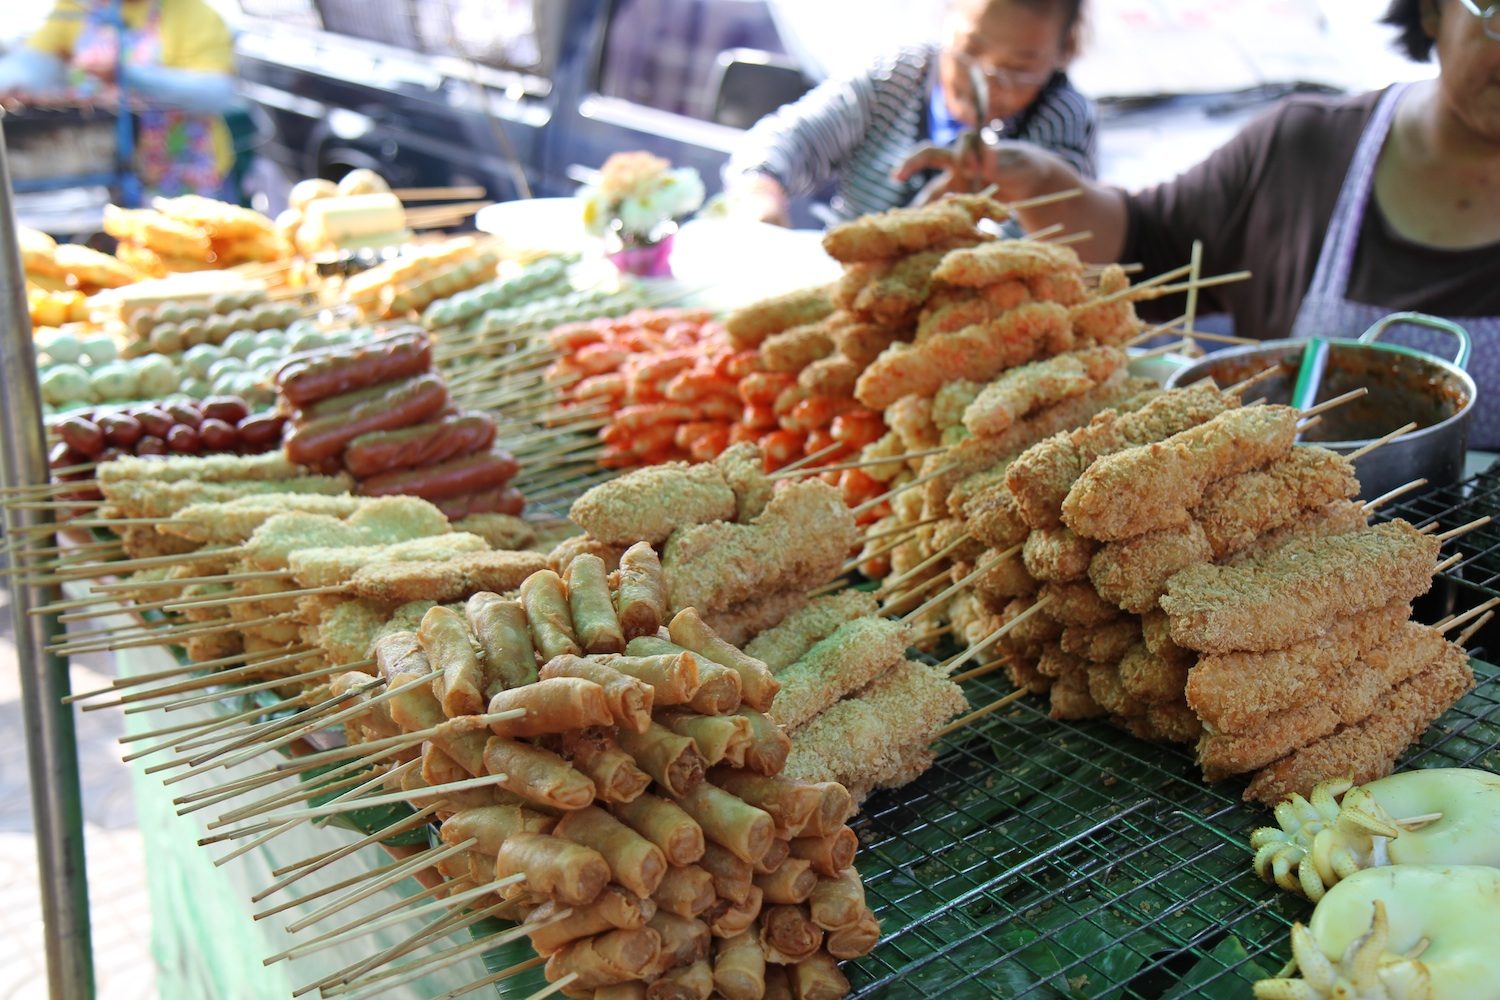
{"x":1016,"y":170}
{"x":760,"y":197}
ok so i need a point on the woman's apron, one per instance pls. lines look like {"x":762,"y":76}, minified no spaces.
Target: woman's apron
{"x":175,"y":151}
{"x":1326,"y":312}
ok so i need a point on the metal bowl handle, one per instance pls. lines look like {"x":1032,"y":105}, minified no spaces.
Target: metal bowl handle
{"x":1465,"y":345}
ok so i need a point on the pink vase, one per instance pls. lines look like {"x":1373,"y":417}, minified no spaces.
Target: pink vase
{"x":644,"y":260}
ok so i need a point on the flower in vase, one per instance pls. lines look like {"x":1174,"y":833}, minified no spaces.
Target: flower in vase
{"x":637,"y":195}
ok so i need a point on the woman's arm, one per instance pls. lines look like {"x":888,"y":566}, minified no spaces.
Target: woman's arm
{"x":799,"y":148}
{"x":183,"y":89}
{"x":27,"y":69}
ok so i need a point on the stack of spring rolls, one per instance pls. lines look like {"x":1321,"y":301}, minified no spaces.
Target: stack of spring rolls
{"x":662,"y":853}
{"x":1188,"y":572}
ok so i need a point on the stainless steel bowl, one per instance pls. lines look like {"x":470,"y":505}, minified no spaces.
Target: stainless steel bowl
{"x":1405,"y":385}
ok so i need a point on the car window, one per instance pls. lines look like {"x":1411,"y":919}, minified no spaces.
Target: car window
{"x":665,"y":53}
{"x":388,"y":22}
{"x":293,"y":13}
{"x":505,"y":34}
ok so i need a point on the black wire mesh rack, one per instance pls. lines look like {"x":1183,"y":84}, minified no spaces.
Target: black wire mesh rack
{"x":1454,"y":506}
{"x":1048,"y":859}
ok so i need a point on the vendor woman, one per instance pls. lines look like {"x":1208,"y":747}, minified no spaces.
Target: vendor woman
{"x":1343,"y":210}
{"x":174,"y":59}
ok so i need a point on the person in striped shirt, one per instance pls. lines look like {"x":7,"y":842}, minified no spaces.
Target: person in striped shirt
{"x":854,"y":133}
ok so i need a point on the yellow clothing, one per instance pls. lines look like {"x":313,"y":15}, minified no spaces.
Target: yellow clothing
{"x":192,"y":37}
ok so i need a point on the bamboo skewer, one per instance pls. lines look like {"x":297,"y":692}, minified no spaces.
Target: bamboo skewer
{"x":301,"y":870}
{"x":493,"y":978}
{"x":874,"y":502}
{"x":312,"y":894}
{"x":1449,"y":563}
{"x":263,"y":661}
{"x":135,"y":680}
{"x":892,"y":584}
{"x":1453,"y":621}
{"x":900,"y":599}
{"x":428,"y":792}
{"x":1328,"y":404}
{"x":1380,"y":442}
{"x":1263,"y":375}
{"x":1472,"y":630}
{"x":390,"y":742}
{"x":960,"y":585}
{"x":1043,"y":199}
{"x":1385,"y":498}
{"x":215,"y":602}
{"x":980,"y":713}
{"x":359,"y":928}
{"x":1464,"y":529}
{"x":239,"y":690}
{"x":860,"y":464}
{"x":982,"y":670}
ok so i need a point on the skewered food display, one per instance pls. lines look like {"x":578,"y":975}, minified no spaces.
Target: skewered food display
{"x":379,"y":411}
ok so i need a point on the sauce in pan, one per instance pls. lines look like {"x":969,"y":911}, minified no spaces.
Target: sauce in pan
{"x":1402,"y":389}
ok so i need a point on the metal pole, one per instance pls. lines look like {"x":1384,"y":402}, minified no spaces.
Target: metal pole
{"x":51,"y":746}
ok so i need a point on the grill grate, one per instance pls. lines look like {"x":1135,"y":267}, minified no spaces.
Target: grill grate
{"x":1452,"y":506}
{"x":1048,"y":859}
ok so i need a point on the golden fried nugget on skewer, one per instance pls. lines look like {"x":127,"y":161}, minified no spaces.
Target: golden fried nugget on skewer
{"x":1113,"y":322}
{"x":1004,"y":578}
{"x":1023,"y":390}
{"x":861,"y":343}
{"x":648,"y":504}
{"x":833,"y":376}
{"x":1057,"y":555}
{"x":159,"y":232}
{"x":1150,"y":678}
{"x":800,"y":540}
{"x":853,"y":656}
{"x":1367,"y":750}
{"x":1165,"y":480}
{"x":993,"y":518}
{"x":780,"y":647}
{"x":207,"y":469}
{"x":1341,"y":517}
{"x":502,"y":531}
{"x":1288,"y":594}
{"x":1106,"y":643}
{"x":1042,"y":476}
{"x":1003,"y":260}
{"x":232,"y":521}
{"x":331,"y":566}
{"x":1156,"y":629}
{"x":744,"y":470}
{"x":793,"y":350}
{"x":382,"y":521}
{"x":1237,"y":510}
{"x":1076,"y":603}
{"x":908,"y":230}
{"x":740,"y":623}
{"x":1133,"y":573}
{"x":897,"y":294}
{"x":949,"y":403}
{"x":976,"y":352}
{"x":1344,"y":697}
{"x":751,"y":324}
{"x":871,"y":732}
{"x":1109,"y":693}
{"x":1233,"y":691}
{"x":1070,"y":698}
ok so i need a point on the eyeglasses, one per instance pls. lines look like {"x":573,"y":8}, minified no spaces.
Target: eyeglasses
{"x":1005,"y":79}
{"x":1489,"y":17}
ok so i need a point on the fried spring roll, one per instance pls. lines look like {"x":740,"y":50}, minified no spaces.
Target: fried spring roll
{"x":613,"y":771}
{"x":769,"y":744}
{"x":614,"y":908}
{"x":687,"y":891}
{"x":555,"y":705}
{"x":621,"y":991}
{"x":673,"y":677}
{"x":788,"y":935}
{"x":438,"y":769}
{"x":778,"y":983}
{"x":634,"y":861}
{"x":556,"y":868}
{"x":613,"y":957}
{"x":492,"y":825}
{"x":665,"y":824}
{"x":718,"y":737}
{"x":719,"y":690}
{"x":758,"y":688}
{"x":672,"y":761}
{"x":630,"y":699}
{"x":817,"y":977}
{"x":837,"y":902}
{"x":594,"y":621}
{"x":728,"y":918}
{"x":687,"y":982}
{"x":537,"y":775}
{"x":684,"y":940}
{"x":445,"y":640}
{"x":793,"y":881}
{"x":790,"y":803}
{"x":859,"y":938}
{"x":730,"y":822}
{"x":641,"y":592}
{"x":829,"y":855}
{"x":740,"y":967}
{"x":778,"y":852}
{"x":402,"y":663}
{"x":836,"y":807}
{"x":652,"y":645}
{"x":504,"y":641}
{"x":733,"y":877}
{"x":547,"y":613}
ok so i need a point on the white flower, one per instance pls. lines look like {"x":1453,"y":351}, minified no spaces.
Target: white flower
{"x":639,"y":216}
